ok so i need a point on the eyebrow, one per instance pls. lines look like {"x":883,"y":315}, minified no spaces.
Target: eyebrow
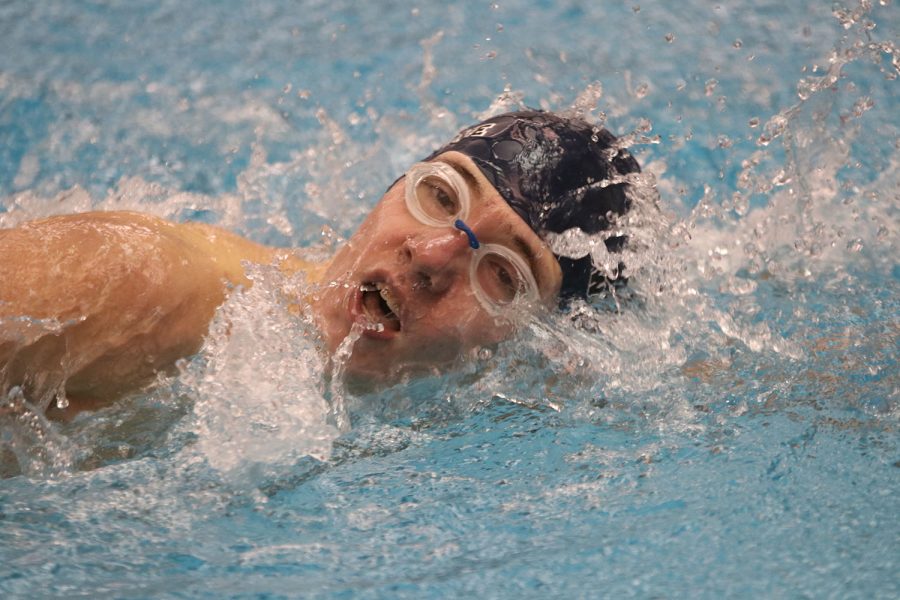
{"x":470,"y":179}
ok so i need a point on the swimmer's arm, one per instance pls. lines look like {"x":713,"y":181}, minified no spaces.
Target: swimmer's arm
{"x":100,"y":302}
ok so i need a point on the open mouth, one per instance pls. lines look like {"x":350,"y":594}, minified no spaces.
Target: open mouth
{"x":380,"y":305}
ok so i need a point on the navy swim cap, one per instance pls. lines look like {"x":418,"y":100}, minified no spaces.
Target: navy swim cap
{"x":554,"y":172}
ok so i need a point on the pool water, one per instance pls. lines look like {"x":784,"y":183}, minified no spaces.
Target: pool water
{"x":729,"y":430}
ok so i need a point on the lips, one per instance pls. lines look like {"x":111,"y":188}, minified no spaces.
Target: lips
{"x":377,"y":307}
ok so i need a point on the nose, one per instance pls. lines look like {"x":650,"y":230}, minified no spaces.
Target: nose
{"x":437,"y":260}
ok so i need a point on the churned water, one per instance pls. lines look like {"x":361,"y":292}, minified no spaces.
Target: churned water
{"x":729,"y":428}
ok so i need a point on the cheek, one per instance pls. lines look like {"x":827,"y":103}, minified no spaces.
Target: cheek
{"x":457,"y":327}
{"x":373,"y":240}
{"x":488,"y":331}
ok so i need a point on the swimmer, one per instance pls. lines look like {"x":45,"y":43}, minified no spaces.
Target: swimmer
{"x":452,"y":257}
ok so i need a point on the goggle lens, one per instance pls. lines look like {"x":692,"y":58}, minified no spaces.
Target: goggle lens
{"x":502,"y":277}
{"x":436,"y":195}
{"x":437,"y":199}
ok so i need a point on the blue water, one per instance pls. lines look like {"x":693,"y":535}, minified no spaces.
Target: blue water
{"x":732,"y":432}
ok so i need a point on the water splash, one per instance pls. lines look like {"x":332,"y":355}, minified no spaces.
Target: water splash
{"x":258,"y":382}
{"x":698,"y":283}
{"x":337,"y":406}
{"x":40,"y":451}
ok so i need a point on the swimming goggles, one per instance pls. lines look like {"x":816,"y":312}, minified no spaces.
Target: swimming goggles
{"x":501,"y":279}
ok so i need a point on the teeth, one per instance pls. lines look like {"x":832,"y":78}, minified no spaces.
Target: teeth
{"x":388,"y":299}
{"x":384,"y":292}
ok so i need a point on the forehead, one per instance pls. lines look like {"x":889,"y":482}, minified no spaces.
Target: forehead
{"x":514,"y":231}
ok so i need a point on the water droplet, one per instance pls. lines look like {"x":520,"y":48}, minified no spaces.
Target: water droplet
{"x":781,"y":178}
{"x":740,"y":203}
{"x":723,"y":141}
{"x":862,"y":105}
{"x":774,"y":128}
{"x":670,"y":37}
{"x":754,"y":122}
{"x":737,"y":44}
{"x":499,"y":27}
{"x":710,"y":86}
{"x":806,"y":88}
{"x":641,"y":90}
{"x":636,"y":8}
{"x":855,"y":245}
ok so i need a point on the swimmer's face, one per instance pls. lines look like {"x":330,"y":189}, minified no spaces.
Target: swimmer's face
{"x":408,"y":288}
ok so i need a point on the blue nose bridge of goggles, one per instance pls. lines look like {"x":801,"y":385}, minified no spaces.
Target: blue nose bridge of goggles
{"x":473,"y":241}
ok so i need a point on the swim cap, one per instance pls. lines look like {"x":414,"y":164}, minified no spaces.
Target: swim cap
{"x":555,"y":173}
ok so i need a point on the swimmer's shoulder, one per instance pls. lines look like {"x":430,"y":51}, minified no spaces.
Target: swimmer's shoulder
{"x":81,"y":263}
{"x":123,"y":294}
{"x":127,"y":234}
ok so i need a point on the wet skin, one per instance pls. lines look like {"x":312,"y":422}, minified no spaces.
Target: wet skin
{"x":95,"y":304}
{"x":425,"y":270}
{"x":129,"y":294}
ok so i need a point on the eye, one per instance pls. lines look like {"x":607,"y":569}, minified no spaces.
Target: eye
{"x":437,"y":198}
{"x":499,"y":279}
{"x":505,"y":279}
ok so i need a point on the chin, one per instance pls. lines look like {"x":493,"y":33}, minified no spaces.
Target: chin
{"x":361,"y":376}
